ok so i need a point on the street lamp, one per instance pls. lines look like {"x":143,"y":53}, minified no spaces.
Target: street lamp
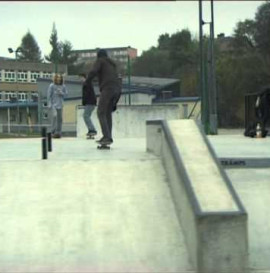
{"x":129,"y":70}
{"x":208,"y":100}
{"x":10,"y":50}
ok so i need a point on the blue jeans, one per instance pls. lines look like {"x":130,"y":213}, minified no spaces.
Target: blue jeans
{"x":56,"y":120}
{"x":88,"y":109}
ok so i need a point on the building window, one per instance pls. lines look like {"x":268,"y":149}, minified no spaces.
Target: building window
{"x":34,"y":76}
{"x":47,"y":75}
{"x":1,"y":96}
{"x":0,"y":75}
{"x":22,"y":96}
{"x":11,"y":96}
{"x":10,"y":75}
{"x":22,"y":76}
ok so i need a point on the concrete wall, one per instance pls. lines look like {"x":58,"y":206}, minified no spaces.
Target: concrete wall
{"x":129,"y":121}
{"x":188,"y":108}
{"x":136,"y":99}
{"x":211,"y":214}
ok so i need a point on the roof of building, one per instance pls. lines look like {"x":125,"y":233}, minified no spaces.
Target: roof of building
{"x":106,"y":48}
{"x":5,"y":59}
{"x":7,"y":104}
{"x":155,"y":83}
{"x":178,"y":99}
{"x":137,"y":83}
{"x":45,"y":67}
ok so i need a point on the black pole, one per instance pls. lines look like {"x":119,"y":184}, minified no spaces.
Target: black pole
{"x":49,"y":138}
{"x":201,"y":81}
{"x":44,"y":143}
{"x":213,"y":72}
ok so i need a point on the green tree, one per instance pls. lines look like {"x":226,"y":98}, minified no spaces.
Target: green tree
{"x":29,"y":49}
{"x":244,"y":36}
{"x":152,"y":63}
{"x":175,"y":56}
{"x":55,"y":55}
{"x":65,"y":52}
{"x":262,"y":24}
{"x":164,"y":41}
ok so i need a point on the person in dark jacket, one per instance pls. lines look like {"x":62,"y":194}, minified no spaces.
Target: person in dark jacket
{"x":262,"y":106}
{"x":110,"y":90}
{"x":89,"y":102}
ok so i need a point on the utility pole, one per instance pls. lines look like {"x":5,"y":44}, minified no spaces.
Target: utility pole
{"x":213,"y":101}
{"x":10,"y":50}
{"x":129,"y":81}
{"x":208,"y":88}
{"x":201,"y":79}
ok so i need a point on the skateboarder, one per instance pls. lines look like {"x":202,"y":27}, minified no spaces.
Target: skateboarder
{"x":55,"y":97}
{"x":110,"y":90}
{"x":89,"y":102}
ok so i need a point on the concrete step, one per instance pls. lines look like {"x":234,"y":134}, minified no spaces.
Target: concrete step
{"x":94,"y":215}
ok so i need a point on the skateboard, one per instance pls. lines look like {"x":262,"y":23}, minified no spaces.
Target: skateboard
{"x":104,"y":147}
{"x":91,"y":136}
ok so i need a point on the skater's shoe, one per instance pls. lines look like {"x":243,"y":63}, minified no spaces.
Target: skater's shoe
{"x":56,"y":136}
{"x":110,"y":140}
{"x":98,"y":141}
{"x":91,"y":133}
{"x":106,"y":141}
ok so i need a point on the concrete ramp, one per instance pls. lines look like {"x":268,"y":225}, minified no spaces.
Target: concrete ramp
{"x":212,"y":217}
{"x":85,"y":210}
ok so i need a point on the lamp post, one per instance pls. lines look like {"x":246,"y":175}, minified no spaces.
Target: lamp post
{"x":208,"y":99}
{"x":129,"y":71}
{"x":10,"y":50}
{"x":201,"y":79}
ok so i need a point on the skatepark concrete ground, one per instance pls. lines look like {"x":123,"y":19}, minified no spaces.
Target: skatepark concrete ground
{"x":253,"y":188}
{"x":89,"y":210}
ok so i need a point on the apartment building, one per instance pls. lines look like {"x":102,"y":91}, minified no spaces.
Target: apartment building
{"x":18,"y":79}
{"x":119,"y":54}
{"x":18,"y":90}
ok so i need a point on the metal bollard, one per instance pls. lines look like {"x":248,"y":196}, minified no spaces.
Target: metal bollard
{"x":44,"y":143}
{"x":49,"y":137}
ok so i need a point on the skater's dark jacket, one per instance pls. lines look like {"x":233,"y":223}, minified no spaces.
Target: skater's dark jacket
{"x":105,"y":69}
{"x":88,"y":94}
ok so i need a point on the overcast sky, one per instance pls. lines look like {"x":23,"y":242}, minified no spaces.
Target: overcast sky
{"x":112,"y":24}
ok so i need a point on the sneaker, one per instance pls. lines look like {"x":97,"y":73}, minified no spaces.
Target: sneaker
{"x":110,"y":140}
{"x":56,"y":136}
{"x":106,"y":141}
{"x":91,"y":133}
{"x":99,"y":141}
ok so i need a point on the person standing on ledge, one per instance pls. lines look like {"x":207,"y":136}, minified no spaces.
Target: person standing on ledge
{"x":89,"y":102}
{"x":110,"y":90}
{"x":55,"y":97}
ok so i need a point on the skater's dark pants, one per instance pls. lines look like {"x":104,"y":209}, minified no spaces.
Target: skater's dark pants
{"x":105,"y":108}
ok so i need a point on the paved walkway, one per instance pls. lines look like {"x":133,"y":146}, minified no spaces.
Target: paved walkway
{"x":86,"y":210}
{"x":253,"y":187}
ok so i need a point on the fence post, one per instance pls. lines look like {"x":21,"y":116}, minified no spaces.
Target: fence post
{"x":44,"y":143}
{"x":49,"y":137}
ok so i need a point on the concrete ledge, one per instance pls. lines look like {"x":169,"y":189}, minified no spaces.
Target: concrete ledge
{"x":129,"y":120}
{"x":211,"y":214}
